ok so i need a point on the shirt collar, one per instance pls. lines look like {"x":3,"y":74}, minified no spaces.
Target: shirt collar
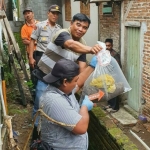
{"x":31,"y":25}
{"x":58,"y":91}
{"x":47,"y":23}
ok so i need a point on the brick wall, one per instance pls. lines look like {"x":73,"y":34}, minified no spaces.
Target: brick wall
{"x":110,"y":25}
{"x":140,"y":11}
{"x":126,"y":4}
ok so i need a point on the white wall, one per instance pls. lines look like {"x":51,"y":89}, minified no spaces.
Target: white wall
{"x":91,"y":36}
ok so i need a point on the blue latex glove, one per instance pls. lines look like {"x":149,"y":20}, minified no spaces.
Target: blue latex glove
{"x":86,"y":102}
{"x":93,"y":61}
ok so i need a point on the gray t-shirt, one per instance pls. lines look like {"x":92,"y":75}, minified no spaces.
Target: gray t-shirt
{"x":65,"y":109}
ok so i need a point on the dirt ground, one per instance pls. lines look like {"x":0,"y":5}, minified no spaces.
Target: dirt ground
{"x":143,"y":134}
{"x":140,"y":130}
{"x":22,"y":123}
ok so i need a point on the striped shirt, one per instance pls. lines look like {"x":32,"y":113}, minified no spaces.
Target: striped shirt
{"x":55,"y":51}
{"x":52,"y":55}
{"x":65,"y":109}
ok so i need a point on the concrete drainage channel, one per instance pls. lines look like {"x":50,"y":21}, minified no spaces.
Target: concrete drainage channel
{"x":99,"y":138}
{"x":105,"y":135}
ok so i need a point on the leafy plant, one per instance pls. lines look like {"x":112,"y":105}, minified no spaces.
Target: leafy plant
{"x":21,"y":45}
{"x":11,"y":94}
{"x":17,"y":111}
{"x":7,"y":70}
{"x":30,"y":84}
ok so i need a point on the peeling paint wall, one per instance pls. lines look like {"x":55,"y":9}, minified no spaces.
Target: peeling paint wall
{"x":139,"y":11}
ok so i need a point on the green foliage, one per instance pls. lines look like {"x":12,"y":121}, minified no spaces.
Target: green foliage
{"x":5,"y":47}
{"x":21,"y":45}
{"x":11,"y":95}
{"x":30,"y":84}
{"x":7,"y":70}
{"x":17,"y":111}
{"x":8,"y":75}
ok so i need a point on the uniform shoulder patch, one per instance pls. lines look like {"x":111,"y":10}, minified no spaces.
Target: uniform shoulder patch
{"x":45,"y":27}
{"x":58,"y":26}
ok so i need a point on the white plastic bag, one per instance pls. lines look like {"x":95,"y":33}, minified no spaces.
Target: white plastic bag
{"x":107,"y":77}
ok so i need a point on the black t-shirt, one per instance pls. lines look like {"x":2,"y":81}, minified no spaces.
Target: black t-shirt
{"x":62,"y":38}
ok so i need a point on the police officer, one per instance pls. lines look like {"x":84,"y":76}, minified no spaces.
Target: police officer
{"x":43,"y":33}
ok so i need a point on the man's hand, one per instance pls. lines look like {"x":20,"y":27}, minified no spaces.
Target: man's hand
{"x":32,"y":62}
{"x":26,"y":41}
{"x":95,"y":49}
{"x":86,"y":102}
{"x":93,"y":62}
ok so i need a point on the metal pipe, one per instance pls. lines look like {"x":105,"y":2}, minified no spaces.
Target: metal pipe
{"x":14,"y":4}
{"x":138,"y":138}
{"x":2,"y":99}
{"x":18,"y":9}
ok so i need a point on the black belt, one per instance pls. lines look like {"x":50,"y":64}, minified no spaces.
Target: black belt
{"x":38,"y":53}
{"x":39,"y":74}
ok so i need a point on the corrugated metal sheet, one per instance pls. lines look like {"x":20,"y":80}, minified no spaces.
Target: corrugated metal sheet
{"x":133,"y":66}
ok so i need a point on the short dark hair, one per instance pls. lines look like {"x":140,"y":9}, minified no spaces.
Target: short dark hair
{"x":81,"y":17}
{"x":109,"y":40}
{"x":58,"y":83}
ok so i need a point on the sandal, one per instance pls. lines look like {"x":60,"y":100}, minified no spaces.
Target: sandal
{"x":106,"y":107}
{"x":110,"y":110}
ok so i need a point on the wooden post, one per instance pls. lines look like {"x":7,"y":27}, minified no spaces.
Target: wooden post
{"x":9,"y":37}
{"x":12,"y":59}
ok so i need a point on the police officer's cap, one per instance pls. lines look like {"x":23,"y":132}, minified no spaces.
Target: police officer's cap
{"x":54,"y":8}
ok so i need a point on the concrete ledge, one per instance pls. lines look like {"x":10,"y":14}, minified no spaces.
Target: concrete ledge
{"x":131,"y":111}
{"x":125,"y":118}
